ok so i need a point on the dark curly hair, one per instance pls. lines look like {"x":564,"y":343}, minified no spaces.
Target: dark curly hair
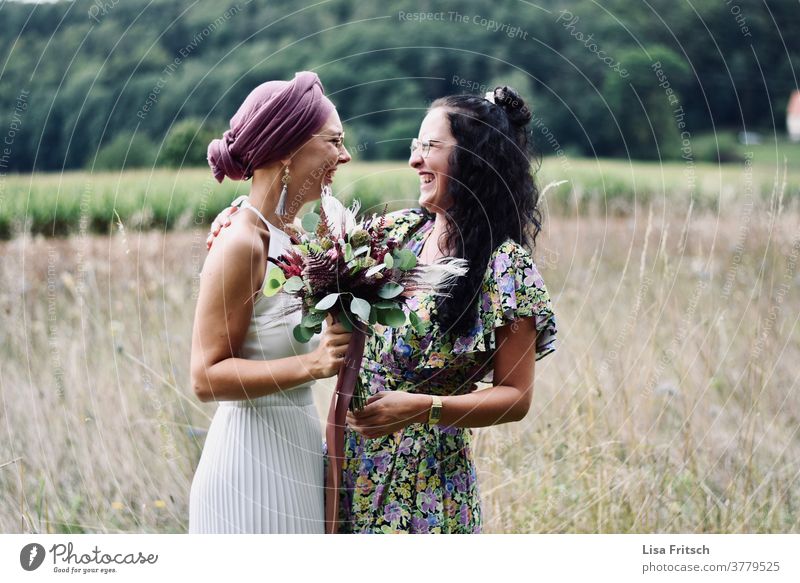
{"x":494,"y":194}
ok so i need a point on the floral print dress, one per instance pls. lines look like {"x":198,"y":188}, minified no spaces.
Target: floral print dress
{"x":422,"y":479}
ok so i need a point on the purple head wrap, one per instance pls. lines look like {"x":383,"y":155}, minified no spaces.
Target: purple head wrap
{"x":276,"y":118}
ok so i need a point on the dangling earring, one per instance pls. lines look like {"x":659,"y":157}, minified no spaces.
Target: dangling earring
{"x":281,"y":208}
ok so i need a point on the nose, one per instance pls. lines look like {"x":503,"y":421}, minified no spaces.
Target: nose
{"x":344,"y":156}
{"x":416,"y":159}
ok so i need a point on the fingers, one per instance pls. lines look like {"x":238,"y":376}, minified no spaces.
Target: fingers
{"x":336,"y":335}
{"x":366,"y":430}
{"x":339,"y":340}
{"x":370,"y":415}
{"x":376,"y":397}
{"x":212,"y":233}
{"x":221,"y":221}
{"x":356,"y":426}
{"x":370,"y":419}
{"x":371,"y":407}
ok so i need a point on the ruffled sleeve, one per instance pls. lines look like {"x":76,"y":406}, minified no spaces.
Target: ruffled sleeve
{"x":512,"y":289}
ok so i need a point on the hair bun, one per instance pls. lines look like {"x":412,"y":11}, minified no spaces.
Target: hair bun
{"x":514,"y":106}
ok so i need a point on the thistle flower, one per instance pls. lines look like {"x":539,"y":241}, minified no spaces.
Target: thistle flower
{"x":359,"y":237}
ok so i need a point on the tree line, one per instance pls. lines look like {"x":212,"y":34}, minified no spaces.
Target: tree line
{"x":101,"y":83}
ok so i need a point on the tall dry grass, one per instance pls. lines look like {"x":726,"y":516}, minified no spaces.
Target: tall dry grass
{"x":670,"y":404}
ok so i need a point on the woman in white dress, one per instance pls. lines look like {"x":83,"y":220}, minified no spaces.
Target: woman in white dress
{"x":261,"y":470}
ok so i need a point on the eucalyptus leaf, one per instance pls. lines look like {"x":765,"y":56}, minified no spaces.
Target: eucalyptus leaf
{"x":274,"y":281}
{"x":346,"y":323}
{"x":388,"y":261}
{"x":302,"y":334}
{"x":390,"y":290}
{"x":393,"y":317}
{"x":360,"y":308}
{"x":310,"y":222}
{"x":416,"y":322}
{"x":405,"y":259}
{"x":327,"y":302}
{"x":375,"y":269}
{"x":294,"y":284}
{"x":313,"y":319}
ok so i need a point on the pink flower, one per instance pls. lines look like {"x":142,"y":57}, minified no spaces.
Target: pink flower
{"x":532,"y":277}
{"x":502,"y":263}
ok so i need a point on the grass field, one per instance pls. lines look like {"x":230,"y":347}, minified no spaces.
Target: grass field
{"x":80,"y":202}
{"x":670,"y":404}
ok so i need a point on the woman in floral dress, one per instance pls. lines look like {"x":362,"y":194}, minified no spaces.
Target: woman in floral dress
{"x":405,"y":471}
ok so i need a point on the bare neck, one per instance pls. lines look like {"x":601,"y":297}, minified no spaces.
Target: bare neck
{"x":433,"y":247}
{"x":265,"y":191}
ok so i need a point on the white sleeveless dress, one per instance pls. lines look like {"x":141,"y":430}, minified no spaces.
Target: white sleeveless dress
{"x":261,"y":470}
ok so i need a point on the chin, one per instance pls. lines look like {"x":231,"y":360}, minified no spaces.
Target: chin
{"x":427,"y":200}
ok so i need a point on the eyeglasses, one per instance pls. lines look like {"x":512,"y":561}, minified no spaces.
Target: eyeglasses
{"x":425,"y":146}
{"x":338,"y":140}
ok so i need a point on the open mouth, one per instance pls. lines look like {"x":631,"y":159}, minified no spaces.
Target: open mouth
{"x":426,"y":179}
{"x":328,"y":178}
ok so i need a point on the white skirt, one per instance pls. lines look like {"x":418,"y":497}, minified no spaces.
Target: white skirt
{"x":261,"y":470}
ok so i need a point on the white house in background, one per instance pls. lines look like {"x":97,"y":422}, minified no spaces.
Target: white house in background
{"x":793,"y":117}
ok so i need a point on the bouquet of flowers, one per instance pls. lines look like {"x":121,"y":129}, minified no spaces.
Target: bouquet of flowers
{"x":355,"y":272}
{"x":358,"y":274}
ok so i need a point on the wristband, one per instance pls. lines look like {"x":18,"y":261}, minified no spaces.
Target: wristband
{"x":436,"y":411}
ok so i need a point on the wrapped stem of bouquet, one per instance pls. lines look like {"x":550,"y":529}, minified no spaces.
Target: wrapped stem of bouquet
{"x":356,"y":273}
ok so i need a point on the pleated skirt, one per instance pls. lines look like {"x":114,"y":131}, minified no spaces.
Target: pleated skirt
{"x":261,"y":470}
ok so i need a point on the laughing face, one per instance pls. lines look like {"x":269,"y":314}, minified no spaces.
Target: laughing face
{"x":315,"y":163}
{"x":431,"y":160}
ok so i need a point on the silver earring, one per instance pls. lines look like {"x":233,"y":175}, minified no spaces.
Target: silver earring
{"x":281,"y":208}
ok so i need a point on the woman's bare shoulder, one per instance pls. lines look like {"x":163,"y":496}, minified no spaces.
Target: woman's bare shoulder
{"x":243,"y":237}
{"x":239,"y":252}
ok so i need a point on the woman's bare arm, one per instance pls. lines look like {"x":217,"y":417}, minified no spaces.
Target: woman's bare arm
{"x":508,"y":400}
{"x":229,"y":284}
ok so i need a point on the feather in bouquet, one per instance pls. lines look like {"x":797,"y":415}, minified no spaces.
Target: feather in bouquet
{"x":358,"y":274}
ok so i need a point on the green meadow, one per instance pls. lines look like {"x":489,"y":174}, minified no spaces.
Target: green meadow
{"x":57,"y":204}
